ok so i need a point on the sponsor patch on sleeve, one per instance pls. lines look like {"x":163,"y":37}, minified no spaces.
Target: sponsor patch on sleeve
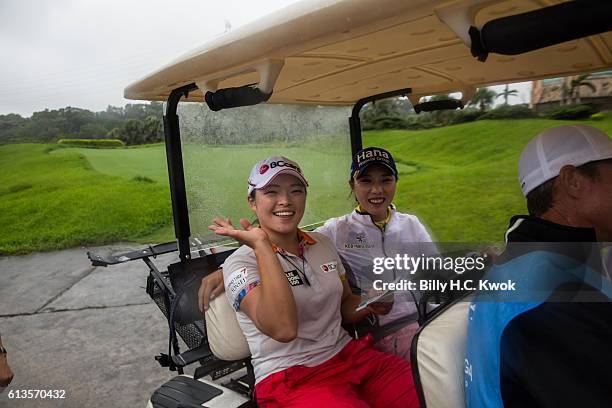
{"x":237,"y":280}
{"x":238,"y":285}
{"x":242,"y":294}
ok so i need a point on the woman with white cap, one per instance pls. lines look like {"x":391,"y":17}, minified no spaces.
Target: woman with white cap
{"x":290,"y":296}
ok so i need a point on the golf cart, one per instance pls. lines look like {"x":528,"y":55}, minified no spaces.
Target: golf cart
{"x":312,"y":58}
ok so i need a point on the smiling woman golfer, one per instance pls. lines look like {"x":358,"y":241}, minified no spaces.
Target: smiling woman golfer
{"x":290,"y":296}
{"x":375,"y":229}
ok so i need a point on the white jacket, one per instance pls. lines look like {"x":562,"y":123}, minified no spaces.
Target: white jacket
{"x":359,"y":241}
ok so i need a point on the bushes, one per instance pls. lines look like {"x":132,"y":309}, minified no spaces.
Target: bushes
{"x":572,"y":112}
{"x":93,"y":143}
{"x":466,"y":115}
{"x":427,"y":120}
{"x":136,"y":132}
{"x":412,"y":122}
{"x":386,"y":122}
{"x":509,"y":112}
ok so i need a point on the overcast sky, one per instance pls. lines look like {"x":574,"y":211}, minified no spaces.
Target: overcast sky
{"x":83,"y":53}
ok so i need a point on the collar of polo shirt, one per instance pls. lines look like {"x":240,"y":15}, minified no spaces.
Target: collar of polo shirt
{"x":304,"y":238}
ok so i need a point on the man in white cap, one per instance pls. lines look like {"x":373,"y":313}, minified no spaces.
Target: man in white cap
{"x":542,"y":348}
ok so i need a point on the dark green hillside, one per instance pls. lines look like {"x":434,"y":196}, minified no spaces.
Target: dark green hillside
{"x":466,"y":185}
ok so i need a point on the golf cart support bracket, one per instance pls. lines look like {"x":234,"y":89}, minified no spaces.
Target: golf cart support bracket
{"x":355,"y":122}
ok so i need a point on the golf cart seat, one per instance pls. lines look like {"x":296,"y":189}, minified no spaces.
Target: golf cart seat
{"x":225,"y":337}
{"x":438,"y":355}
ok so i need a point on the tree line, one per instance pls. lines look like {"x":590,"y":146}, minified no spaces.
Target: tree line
{"x":133,"y":124}
{"x":142,"y":123}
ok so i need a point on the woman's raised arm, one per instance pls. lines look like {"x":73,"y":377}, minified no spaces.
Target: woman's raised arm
{"x":270,"y":305}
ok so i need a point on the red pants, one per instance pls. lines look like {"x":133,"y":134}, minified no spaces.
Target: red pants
{"x":398,"y":343}
{"x":357,"y":377}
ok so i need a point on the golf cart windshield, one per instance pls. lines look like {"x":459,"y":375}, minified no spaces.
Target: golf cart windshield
{"x":220,"y":148}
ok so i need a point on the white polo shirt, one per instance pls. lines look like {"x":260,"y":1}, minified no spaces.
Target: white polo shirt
{"x":317,"y":296}
{"x":359,"y":241}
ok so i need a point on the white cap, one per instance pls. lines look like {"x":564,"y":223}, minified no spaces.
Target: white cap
{"x":265,"y":171}
{"x":545,"y":155}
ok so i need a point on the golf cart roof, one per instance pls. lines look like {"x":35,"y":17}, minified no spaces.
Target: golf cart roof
{"x":336,"y":52}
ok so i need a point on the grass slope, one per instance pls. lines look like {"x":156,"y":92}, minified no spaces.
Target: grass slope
{"x":467,"y":186}
{"x":142,"y":161}
{"x":50,"y":201}
{"x":216,"y":178}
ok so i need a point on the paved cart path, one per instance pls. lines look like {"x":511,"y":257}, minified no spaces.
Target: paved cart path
{"x":91,"y":331}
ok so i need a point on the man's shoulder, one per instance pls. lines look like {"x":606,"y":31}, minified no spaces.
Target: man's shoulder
{"x":540,"y":262}
{"x":544,"y":347}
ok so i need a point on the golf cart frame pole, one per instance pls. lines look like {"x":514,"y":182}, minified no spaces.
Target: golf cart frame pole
{"x":355,"y":122}
{"x":176,"y":173}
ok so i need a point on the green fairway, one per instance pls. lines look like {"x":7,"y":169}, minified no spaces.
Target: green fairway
{"x":460,"y":180}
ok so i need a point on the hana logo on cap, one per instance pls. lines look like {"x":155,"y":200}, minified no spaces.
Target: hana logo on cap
{"x":265,"y":171}
{"x":372,"y":155}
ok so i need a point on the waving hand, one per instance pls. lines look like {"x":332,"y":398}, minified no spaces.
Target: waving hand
{"x":249,"y":235}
